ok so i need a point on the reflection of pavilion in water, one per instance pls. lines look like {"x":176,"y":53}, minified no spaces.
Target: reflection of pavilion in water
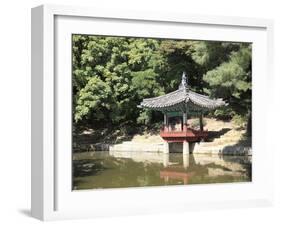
{"x":174,"y":174}
{"x":183,"y":167}
{"x":182,"y":171}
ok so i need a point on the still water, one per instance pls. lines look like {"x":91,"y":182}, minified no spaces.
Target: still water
{"x":132,"y":169}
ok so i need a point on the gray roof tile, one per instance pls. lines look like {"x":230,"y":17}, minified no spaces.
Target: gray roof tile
{"x":181,"y":97}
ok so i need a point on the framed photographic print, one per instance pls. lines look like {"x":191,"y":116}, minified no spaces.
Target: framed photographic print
{"x":138,"y":112}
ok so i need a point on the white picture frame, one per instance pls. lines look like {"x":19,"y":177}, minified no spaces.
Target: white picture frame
{"x":52,"y":197}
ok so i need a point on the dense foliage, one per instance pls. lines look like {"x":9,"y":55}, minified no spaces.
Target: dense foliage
{"x":111,"y":76}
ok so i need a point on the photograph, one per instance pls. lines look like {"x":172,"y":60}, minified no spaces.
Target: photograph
{"x":160,"y":112}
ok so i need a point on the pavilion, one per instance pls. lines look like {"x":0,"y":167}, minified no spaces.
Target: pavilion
{"x":176,"y":107}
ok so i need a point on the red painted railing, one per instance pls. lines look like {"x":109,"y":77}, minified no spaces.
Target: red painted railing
{"x":187,"y":134}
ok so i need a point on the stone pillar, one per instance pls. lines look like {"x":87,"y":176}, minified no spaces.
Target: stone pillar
{"x":185,"y":161}
{"x":166,"y":148}
{"x":185,"y":148}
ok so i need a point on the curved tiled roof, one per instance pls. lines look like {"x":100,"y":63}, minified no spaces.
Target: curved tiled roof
{"x":182,"y":96}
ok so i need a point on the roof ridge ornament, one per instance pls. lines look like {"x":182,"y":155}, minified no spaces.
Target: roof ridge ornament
{"x":184,"y":81}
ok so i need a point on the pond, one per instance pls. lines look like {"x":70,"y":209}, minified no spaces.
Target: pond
{"x":93,"y":170}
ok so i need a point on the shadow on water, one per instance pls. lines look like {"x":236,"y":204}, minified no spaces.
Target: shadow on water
{"x":87,"y":167}
{"x":245,"y":161}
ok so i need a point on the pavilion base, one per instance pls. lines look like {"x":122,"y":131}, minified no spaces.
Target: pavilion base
{"x":185,"y":148}
{"x":188,"y":137}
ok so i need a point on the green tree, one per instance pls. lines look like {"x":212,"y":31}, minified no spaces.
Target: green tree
{"x":231,"y":80}
{"x":125,"y":72}
{"x":111,"y":76}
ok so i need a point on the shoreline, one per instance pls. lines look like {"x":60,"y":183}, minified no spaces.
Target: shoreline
{"x":224,"y":138}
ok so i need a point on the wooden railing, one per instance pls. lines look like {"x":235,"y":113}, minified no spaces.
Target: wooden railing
{"x":188,"y":133}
